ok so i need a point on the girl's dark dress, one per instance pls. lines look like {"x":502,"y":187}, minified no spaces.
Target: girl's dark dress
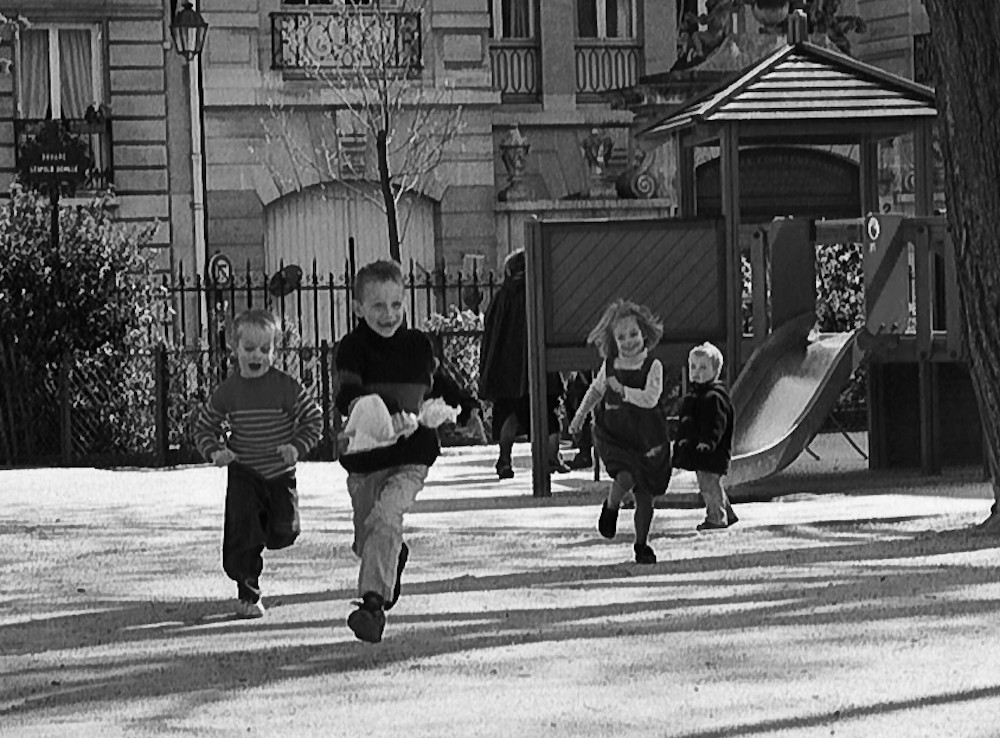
{"x":632,"y":438}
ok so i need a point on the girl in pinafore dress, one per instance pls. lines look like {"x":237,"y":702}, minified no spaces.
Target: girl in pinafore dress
{"x":630,"y":426}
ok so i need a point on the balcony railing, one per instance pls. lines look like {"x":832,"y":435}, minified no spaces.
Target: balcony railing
{"x":349,"y":39}
{"x":606,"y":64}
{"x":95,"y":136}
{"x":515,"y":65}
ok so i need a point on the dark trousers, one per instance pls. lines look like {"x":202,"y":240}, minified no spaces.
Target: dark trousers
{"x":260,"y":513}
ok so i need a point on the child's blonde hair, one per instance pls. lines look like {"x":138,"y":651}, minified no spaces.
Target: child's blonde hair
{"x":259,"y":318}
{"x":713,"y":353}
{"x":603,"y":336}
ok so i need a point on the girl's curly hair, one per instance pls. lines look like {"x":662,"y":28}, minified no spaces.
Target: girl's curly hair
{"x":603,"y":337}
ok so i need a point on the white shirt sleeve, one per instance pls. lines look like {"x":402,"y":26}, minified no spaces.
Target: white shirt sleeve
{"x":648,"y":396}
{"x":600,"y":381}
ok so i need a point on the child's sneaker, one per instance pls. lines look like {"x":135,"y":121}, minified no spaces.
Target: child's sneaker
{"x":504,"y":470}
{"x":607,"y":524}
{"x":250,"y":610}
{"x":644,"y":554}
{"x":404,"y":554}
{"x":368,"y":621}
{"x":709,"y":525}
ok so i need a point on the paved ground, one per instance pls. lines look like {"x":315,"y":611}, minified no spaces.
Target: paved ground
{"x":853,"y":604}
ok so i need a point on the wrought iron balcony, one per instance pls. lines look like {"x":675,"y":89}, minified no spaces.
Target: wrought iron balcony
{"x":606,"y":64}
{"x":93,"y":132}
{"x":349,"y":39}
{"x":515,"y":65}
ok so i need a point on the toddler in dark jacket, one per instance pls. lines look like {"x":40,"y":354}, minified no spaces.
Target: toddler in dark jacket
{"x":705,"y":434}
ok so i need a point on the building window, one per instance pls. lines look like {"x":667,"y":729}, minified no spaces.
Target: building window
{"x":605,"y":18}
{"x":370,"y":3}
{"x":512,"y":18}
{"x":59,"y":71}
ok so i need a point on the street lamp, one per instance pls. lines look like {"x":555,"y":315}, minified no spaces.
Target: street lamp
{"x":188,"y":29}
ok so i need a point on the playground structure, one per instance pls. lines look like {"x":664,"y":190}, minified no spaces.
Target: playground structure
{"x":785,"y":378}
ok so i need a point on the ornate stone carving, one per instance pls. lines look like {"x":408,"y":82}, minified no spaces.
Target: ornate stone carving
{"x":514,"y":149}
{"x":597,"y":148}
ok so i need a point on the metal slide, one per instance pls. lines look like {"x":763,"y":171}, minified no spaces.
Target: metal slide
{"x":784,"y":393}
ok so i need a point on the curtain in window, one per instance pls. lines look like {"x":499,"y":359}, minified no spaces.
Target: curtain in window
{"x":516,"y":18}
{"x":75,"y":72}
{"x":33,"y":87}
{"x":619,"y":18}
{"x":586,"y":18}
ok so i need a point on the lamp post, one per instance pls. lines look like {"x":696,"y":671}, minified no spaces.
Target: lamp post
{"x":188,"y":31}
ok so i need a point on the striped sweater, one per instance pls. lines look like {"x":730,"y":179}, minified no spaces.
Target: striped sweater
{"x":263,"y":413}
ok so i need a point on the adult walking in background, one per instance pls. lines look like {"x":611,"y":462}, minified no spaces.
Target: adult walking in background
{"x":503,"y":369}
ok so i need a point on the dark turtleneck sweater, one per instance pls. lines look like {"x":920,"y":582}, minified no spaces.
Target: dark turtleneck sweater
{"x":400,"y":370}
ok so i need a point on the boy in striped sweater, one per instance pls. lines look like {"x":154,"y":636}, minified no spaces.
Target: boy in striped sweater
{"x":273,"y":422}
{"x":383,"y":357}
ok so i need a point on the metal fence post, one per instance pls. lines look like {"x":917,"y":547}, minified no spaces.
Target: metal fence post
{"x":65,"y":414}
{"x":160,"y":383}
{"x":329,"y":453}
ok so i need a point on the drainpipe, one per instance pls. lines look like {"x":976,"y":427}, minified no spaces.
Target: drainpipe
{"x":199,"y":174}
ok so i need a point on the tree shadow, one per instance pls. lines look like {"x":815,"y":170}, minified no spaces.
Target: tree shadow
{"x":674,"y":601}
{"x":847,"y":713}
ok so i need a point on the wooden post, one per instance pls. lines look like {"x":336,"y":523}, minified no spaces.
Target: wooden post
{"x":729,"y":147}
{"x":868,"y":173}
{"x":534,"y":284}
{"x":686,"y":177}
{"x":878,"y":457}
{"x":923,"y":169}
{"x":759,"y":278}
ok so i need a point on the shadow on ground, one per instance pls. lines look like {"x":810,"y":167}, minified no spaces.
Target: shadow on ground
{"x":221,"y":654}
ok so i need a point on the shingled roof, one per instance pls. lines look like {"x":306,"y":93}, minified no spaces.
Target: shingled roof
{"x":801,"y":91}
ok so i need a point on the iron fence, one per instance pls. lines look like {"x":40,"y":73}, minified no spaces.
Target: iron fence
{"x":113,"y":408}
{"x":313,"y":307}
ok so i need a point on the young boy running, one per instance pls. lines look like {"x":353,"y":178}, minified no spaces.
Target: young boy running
{"x":273,"y":423}
{"x":383,"y":357}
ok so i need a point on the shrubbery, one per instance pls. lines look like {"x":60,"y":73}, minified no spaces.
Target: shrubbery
{"x":91,"y":295}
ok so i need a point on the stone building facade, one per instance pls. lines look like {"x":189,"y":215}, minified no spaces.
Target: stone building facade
{"x":569,"y":81}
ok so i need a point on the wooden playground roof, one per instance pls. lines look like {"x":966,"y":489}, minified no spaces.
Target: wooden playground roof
{"x":803,"y":93}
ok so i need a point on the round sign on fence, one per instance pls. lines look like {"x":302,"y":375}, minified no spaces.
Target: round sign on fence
{"x":220,"y":269}
{"x":874,"y":228}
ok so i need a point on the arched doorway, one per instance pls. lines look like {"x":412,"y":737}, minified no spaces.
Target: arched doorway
{"x":315,"y":225}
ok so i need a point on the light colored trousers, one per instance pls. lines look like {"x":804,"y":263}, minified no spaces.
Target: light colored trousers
{"x":379,"y":500}
{"x":717,"y":505}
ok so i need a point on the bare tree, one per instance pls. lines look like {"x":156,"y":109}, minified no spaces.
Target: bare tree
{"x":966,"y":39}
{"x":370,"y":59}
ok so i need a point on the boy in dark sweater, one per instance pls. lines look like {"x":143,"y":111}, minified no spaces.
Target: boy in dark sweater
{"x":273,"y":423}
{"x":705,"y":434}
{"x":383,"y":357}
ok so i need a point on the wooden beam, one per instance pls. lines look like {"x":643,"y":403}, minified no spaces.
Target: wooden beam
{"x":535,"y":281}
{"x":730,"y":184}
{"x":868,"y":173}
{"x":845,"y":230}
{"x":686,"y":172}
{"x":923,"y":169}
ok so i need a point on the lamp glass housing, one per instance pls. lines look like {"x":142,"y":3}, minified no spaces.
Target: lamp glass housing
{"x":188,"y":30}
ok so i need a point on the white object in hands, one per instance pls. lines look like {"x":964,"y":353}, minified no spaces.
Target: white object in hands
{"x":371,"y":426}
{"x":436,"y":411}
